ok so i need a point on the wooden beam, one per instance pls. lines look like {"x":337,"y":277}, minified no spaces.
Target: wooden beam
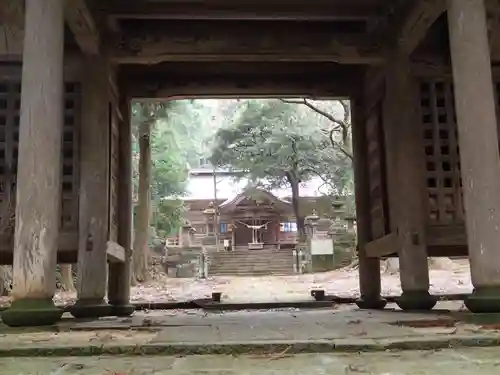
{"x":11,"y":29}
{"x":247,"y":86}
{"x":383,"y":246}
{"x":12,"y":13}
{"x":83,"y":26}
{"x":241,"y":11}
{"x":115,"y":252}
{"x":446,"y":235}
{"x":409,"y":23}
{"x":192,"y":42}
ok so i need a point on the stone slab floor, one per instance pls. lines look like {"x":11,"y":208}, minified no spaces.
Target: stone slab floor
{"x":339,"y":340}
{"x":483,"y":361}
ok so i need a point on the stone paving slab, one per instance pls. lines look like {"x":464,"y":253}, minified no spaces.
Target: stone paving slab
{"x":457,"y":362}
{"x":198,"y":332}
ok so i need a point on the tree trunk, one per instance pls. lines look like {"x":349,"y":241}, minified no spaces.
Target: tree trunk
{"x":294,"y":183}
{"x":141,"y":251}
{"x":66,"y":280}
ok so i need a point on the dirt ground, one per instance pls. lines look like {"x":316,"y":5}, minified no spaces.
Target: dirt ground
{"x":455,"y":278}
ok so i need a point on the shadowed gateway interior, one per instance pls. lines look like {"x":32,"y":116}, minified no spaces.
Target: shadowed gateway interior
{"x":392,"y":58}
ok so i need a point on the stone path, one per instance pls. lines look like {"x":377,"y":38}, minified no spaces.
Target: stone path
{"x":344,"y":328}
{"x":456,"y":361}
{"x":341,"y":340}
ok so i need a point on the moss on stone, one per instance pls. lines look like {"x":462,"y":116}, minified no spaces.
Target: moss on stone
{"x":90,"y":308}
{"x":31,"y":313}
{"x":484,"y":300}
{"x":416,"y":301}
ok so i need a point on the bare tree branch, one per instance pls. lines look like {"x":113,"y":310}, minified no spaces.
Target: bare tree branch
{"x":344,"y":124}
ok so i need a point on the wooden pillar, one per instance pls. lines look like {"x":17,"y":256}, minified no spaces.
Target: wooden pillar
{"x":93,"y":194}
{"x":407,"y":182}
{"x":39,"y":167}
{"x":369,"y":268}
{"x":120,"y":273}
{"x":479,"y":153}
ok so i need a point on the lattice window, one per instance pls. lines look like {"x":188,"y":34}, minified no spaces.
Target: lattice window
{"x":70,"y":162}
{"x":114,"y":173}
{"x":439,"y":131}
{"x":10,"y":99}
{"x":377,"y":173}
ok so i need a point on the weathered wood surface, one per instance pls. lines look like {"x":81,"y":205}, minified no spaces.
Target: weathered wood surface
{"x":94,"y":181}
{"x":178,"y":80}
{"x":39,"y":166}
{"x":82,"y":24}
{"x":479,"y":150}
{"x":384,"y":246}
{"x":202,"y":41}
{"x":369,"y":269}
{"x":115,"y":252}
{"x":406,"y":173}
{"x":323,"y":11}
{"x":120,"y":273}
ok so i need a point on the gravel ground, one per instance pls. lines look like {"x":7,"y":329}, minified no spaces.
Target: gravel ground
{"x":454,"y":279}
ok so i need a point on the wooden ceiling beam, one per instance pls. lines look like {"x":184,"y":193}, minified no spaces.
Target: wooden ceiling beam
{"x":261,"y":44}
{"x":409,"y":23}
{"x":83,"y":26}
{"x":11,"y":29}
{"x":161,"y":87}
{"x":238,"y":11}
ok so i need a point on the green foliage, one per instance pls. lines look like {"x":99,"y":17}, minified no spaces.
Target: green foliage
{"x":177,"y":134}
{"x":279,"y":143}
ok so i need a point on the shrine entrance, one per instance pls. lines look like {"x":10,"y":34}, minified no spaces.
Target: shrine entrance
{"x":425,"y":128}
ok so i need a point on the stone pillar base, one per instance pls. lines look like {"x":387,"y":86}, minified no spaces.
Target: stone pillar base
{"x":31,"y":313}
{"x":416,"y":300}
{"x":90,"y":308}
{"x":484,"y":300}
{"x":122,"y":310}
{"x":371,"y":303}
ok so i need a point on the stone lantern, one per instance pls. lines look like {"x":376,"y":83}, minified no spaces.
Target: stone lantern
{"x":311,"y":222}
{"x":186,"y":234}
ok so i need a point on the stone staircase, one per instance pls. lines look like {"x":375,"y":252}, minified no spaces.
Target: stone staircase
{"x":244,"y":262}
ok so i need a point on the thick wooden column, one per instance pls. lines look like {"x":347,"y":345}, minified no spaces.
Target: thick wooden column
{"x":407,"y":182}
{"x":39,"y":167}
{"x":479,"y":153}
{"x":120,"y":273}
{"x":93,"y":195}
{"x":369,"y":268}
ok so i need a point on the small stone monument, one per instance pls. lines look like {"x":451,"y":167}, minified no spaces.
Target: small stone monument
{"x":319,"y":243}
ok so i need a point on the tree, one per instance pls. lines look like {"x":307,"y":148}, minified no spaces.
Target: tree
{"x":148,"y":113}
{"x":277,"y":144}
{"x":167,"y":139}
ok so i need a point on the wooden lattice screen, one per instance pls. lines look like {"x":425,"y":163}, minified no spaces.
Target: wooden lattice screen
{"x":442,"y":152}
{"x":10,"y":93}
{"x":114,"y":172}
{"x":377,"y":172}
